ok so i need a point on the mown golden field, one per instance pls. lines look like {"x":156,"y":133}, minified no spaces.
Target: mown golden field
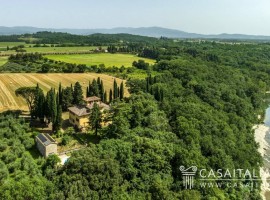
{"x":9,"y":82}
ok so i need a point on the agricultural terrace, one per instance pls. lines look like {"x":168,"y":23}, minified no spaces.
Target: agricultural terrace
{"x":101,"y":58}
{"x":11,"y":81}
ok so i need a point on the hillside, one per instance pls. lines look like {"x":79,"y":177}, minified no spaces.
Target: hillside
{"x":142,"y":31}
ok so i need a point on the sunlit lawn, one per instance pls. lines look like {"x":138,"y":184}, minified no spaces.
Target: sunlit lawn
{"x":100,"y":58}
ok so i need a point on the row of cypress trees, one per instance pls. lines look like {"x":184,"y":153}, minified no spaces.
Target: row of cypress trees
{"x":51,"y":105}
{"x":96,"y":88}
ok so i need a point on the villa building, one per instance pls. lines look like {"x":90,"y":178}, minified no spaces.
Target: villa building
{"x":79,"y":114}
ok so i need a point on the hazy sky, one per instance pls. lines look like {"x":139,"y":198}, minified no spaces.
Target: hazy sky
{"x":200,"y":16}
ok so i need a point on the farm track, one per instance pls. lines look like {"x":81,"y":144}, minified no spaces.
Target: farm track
{"x":9,"y":82}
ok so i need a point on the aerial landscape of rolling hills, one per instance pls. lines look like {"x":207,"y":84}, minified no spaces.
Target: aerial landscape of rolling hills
{"x":99,"y":101}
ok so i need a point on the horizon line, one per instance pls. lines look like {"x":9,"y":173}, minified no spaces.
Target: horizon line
{"x":139,"y":27}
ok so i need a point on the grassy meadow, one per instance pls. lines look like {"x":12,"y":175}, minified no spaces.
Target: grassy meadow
{"x":60,"y":49}
{"x":9,"y":82}
{"x":101,"y":58}
{"x":30,"y":49}
{"x":10,"y":44}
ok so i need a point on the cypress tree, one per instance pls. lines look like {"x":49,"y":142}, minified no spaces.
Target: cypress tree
{"x":53,"y":106}
{"x":60,"y":94}
{"x":72,"y":90}
{"x":95,"y":118}
{"x":98,"y":81}
{"x":36,"y":99}
{"x":90,"y":90}
{"x":118,"y":92}
{"x":101,"y":91}
{"x":58,"y":121}
{"x":111,"y":96}
{"x":105,"y":97}
{"x":95,"y":88}
{"x":87,"y":92}
{"x":78,"y":94}
{"x":67,"y":98}
{"x":41,"y":102}
{"x":47,"y":108}
{"x":122,"y":90}
{"x":115,"y":89}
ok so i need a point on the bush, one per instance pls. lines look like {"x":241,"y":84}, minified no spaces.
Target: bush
{"x":66,"y":139}
{"x":69,"y":131}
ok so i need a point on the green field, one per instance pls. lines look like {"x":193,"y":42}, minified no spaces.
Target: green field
{"x":3,"y":60}
{"x":101,"y":58}
{"x":3,"y":46}
{"x":30,"y":49}
{"x":60,"y":49}
{"x":10,"y":44}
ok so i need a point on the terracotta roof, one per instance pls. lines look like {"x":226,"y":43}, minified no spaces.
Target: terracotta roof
{"x":46,"y":139}
{"x":93,"y":98}
{"x":100,"y":104}
{"x":79,"y":110}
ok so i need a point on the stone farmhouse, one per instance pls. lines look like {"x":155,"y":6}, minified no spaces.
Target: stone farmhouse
{"x":46,"y":144}
{"x":79,"y":114}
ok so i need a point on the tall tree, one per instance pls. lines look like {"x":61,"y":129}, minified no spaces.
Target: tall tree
{"x":51,"y":106}
{"x":101,"y":91}
{"x":39,"y":104}
{"x":90,"y":90}
{"x":78,"y":94}
{"x":87,"y":91}
{"x":95,"y":118}
{"x":122,"y":90}
{"x":67,"y":98}
{"x":105,"y":97}
{"x":95,"y":88}
{"x":115,"y":89}
{"x":60,"y":94}
{"x":98,"y":81}
{"x":111,"y":96}
{"x":58,"y":121}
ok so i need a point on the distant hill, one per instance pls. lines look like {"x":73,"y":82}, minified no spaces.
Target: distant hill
{"x":143,"y":31}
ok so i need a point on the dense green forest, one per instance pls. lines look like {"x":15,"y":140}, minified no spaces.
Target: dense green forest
{"x":198,"y":111}
{"x":69,"y":39}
